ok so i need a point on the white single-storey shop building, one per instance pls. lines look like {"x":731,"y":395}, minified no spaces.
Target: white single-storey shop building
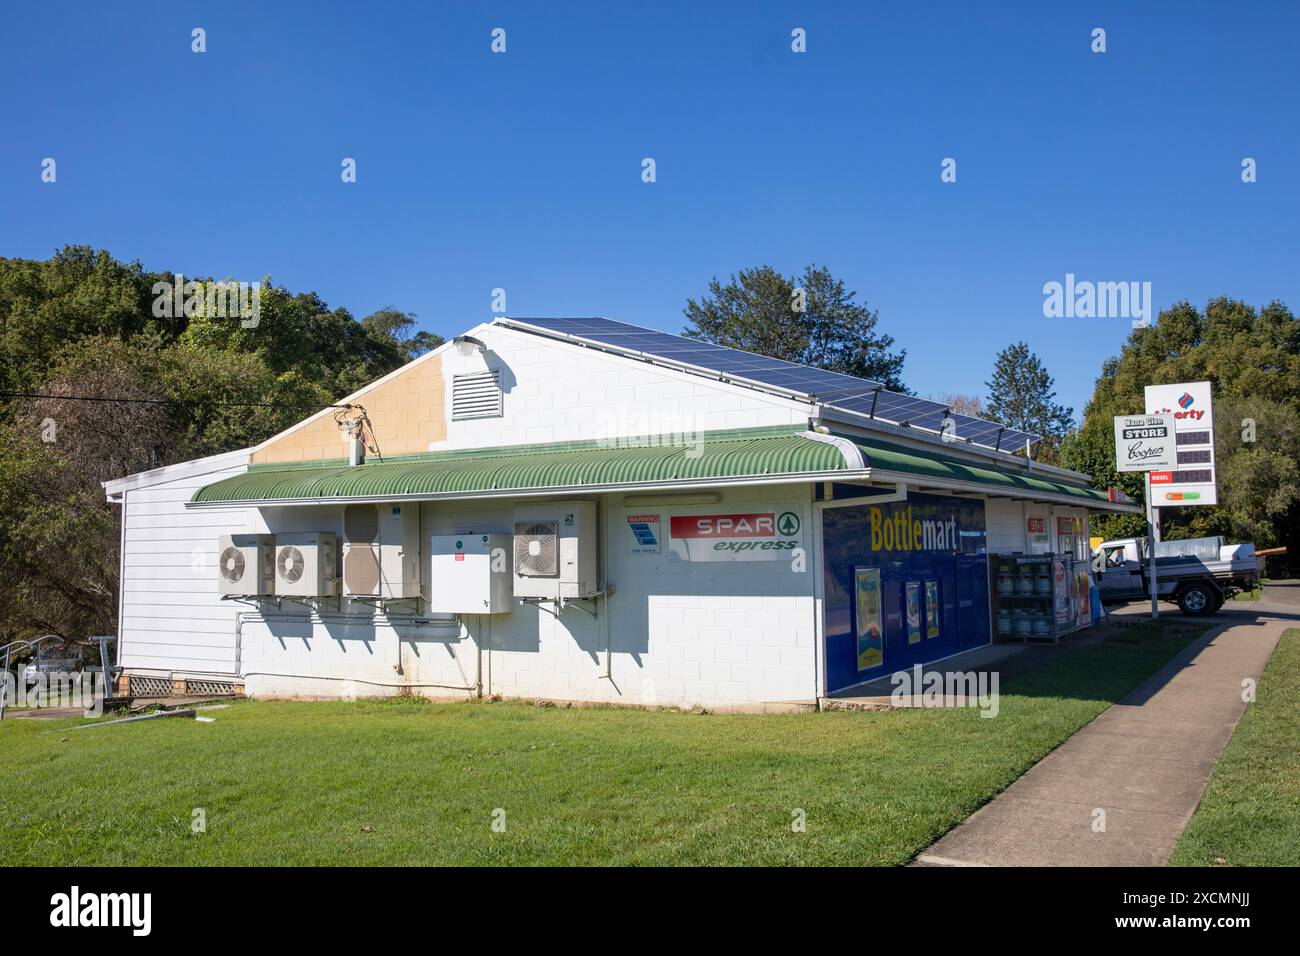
{"x":579,"y":509}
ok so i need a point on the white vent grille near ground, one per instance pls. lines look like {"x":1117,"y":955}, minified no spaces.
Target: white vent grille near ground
{"x":476,"y":395}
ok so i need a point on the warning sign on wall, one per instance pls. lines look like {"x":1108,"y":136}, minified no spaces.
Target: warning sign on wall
{"x":646,"y":538}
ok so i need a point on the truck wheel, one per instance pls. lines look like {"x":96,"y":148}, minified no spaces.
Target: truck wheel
{"x":1196,"y":600}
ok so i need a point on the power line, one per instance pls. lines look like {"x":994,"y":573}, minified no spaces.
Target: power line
{"x":170,"y":401}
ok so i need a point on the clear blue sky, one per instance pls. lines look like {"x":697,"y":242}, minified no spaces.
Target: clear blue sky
{"x":522,"y":170}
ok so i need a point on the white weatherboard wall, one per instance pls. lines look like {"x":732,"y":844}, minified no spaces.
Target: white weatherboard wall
{"x":172,"y":619}
{"x":709,"y":634}
{"x":556,"y":391}
{"x":1007,"y":529}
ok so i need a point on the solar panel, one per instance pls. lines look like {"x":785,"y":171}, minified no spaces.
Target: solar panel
{"x":848,"y":393}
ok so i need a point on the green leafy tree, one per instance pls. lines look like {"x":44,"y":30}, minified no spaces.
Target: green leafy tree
{"x":83,"y":325}
{"x":811,"y":319}
{"x":1252,"y":360}
{"x":390,"y":324}
{"x":1021,"y":396}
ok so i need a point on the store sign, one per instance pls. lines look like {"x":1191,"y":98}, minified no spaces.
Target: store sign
{"x":767,"y":536}
{"x":1189,"y":478}
{"x":903,"y":530}
{"x":1144,"y":442}
{"x":928,"y":524}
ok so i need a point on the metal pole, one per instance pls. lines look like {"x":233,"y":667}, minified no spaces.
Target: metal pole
{"x":1152,"y":528}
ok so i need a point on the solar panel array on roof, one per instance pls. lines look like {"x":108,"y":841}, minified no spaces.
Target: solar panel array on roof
{"x":848,"y":393}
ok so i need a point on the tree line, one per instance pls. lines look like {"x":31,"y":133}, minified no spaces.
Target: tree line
{"x":1251,"y":356}
{"x":83,"y":324}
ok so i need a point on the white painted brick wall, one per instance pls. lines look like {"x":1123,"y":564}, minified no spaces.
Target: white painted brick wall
{"x":559,"y":392}
{"x":707,"y":634}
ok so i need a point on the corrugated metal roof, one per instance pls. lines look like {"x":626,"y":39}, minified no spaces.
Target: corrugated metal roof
{"x":753,"y":453}
{"x":887,"y":457}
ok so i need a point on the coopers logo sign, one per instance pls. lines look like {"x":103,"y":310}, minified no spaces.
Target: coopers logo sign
{"x":1144,"y":442}
{"x":755,"y":536}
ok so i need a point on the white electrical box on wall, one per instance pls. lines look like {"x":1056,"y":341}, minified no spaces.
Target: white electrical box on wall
{"x":470,"y":573}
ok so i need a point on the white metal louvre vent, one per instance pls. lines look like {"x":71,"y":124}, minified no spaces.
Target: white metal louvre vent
{"x":476,"y":395}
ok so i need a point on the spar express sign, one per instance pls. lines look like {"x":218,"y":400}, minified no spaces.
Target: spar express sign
{"x":757,"y":536}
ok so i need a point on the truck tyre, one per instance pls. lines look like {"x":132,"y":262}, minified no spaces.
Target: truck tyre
{"x":1196,"y":599}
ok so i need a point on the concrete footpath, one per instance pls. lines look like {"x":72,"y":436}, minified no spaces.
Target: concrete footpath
{"x":1121,"y":790}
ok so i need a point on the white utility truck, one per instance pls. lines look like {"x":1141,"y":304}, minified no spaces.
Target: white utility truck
{"x":1198,"y":574}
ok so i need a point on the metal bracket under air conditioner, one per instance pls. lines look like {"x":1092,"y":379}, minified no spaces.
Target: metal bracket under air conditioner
{"x":384,"y":603}
{"x":562,"y":602}
{"x":252,"y":600}
{"x":312,"y":603}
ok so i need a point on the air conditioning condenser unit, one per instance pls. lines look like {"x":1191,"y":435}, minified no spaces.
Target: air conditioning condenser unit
{"x":306,"y":564}
{"x":246,"y":565}
{"x":555,"y":550}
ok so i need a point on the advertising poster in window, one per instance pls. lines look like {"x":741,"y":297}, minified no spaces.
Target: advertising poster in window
{"x":1061,"y":589}
{"x":871,"y":644}
{"x":913,"y":612}
{"x":1083,"y":605}
{"x":931,"y":609}
{"x":1039,"y":539}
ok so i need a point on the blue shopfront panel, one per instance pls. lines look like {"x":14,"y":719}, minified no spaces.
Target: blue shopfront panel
{"x":931,"y":557}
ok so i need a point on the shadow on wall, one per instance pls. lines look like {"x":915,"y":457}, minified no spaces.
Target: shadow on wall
{"x":359,"y":631}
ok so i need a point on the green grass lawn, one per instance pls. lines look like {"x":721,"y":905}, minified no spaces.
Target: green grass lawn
{"x":1250,"y":812}
{"x":1254,"y":594}
{"x":408,"y":782}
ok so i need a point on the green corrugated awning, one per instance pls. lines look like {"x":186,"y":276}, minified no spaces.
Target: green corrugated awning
{"x":571,"y":466}
{"x":750,"y":455}
{"x":883,"y":456}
